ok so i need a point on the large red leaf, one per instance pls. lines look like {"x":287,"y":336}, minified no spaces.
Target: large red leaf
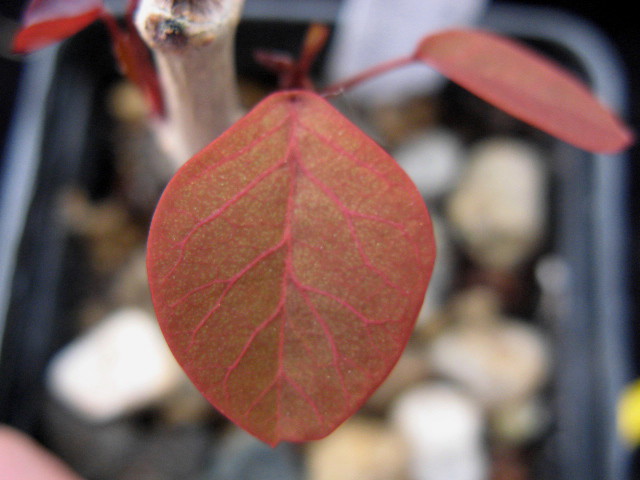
{"x":287,"y":263}
{"x":524,"y":84}
{"x":49,"y":21}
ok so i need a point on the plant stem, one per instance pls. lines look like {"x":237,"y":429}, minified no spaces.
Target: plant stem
{"x":368,"y":74}
{"x":193,"y":46}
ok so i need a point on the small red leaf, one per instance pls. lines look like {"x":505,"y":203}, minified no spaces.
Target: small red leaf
{"x":525,"y":85}
{"x":49,"y":21}
{"x":135,"y":62}
{"x":287,"y":263}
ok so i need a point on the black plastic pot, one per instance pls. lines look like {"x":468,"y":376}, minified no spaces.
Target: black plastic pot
{"x":592,"y":329}
{"x":57,"y":141}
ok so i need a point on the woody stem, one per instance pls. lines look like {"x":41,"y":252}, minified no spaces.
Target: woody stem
{"x":193,"y":45}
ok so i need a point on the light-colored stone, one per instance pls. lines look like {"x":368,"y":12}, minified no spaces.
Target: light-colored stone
{"x":444,"y":430}
{"x":117,"y":367}
{"x":498,"y":360}
{"x":359,"y":449}
{"x":478,"y":306}
{"x":127,"y":103}
{"x":519,"y":423}
{"x":499,"y":209}
{"x":433,"y":159}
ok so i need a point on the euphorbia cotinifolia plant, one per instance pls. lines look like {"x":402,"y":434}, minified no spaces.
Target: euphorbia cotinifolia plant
{"x":289,"y":258}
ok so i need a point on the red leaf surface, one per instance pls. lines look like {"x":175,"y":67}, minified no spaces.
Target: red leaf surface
{"x":49,"y":21}
{"x":287,"y":263}
{"x":527,"y":86}
{"x":135,"y":62}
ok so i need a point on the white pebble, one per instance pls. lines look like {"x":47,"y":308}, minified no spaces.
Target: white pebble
{"x":120,"y":365}
{"x":433,"y":160}
{"x":519,"y":423}
{"x":444,"y":430}
{"x":359,"y":449}
{"x":497,"y":363}
{"x":499,"y":208}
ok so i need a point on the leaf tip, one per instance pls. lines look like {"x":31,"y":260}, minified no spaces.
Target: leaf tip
{"x":626,"y":138}
{"x":615,"y":138}
{"x":272,"y":443}
{"x":528,"y":86}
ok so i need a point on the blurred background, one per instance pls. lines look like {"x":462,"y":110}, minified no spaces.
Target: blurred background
{"x":10,"y":12}
{"x":605,"y":454}
{"x":612,"y":17}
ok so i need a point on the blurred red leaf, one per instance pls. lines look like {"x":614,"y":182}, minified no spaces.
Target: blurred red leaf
{"x":135,"y":62}
{"x":21,"y":458}
{"x":525,"y":85}
{"x":49,"y":21}
{"x":287,"y":263}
